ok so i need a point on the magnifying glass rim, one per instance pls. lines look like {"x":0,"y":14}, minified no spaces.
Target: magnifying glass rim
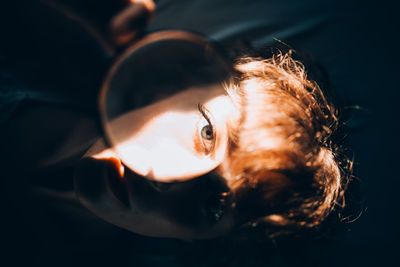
{"x":152,"y":37}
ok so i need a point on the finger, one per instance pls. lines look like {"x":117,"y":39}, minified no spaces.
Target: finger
{"x":128,"y":23}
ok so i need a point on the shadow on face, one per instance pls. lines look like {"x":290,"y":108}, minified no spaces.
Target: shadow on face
{"x":199,"y":208}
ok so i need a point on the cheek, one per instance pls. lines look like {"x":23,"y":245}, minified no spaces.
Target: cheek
{"x":182,"y":128}
{"x":164,"y":149}
{"x":172,"y":160}
{"x":175,"y":153}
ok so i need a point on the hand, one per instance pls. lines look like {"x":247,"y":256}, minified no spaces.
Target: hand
{"x":128,"y":23}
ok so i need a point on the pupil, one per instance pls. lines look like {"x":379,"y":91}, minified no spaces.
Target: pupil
{"x":206,"y":132}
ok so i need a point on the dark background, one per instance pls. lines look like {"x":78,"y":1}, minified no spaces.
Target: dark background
{"x":51,"y":68}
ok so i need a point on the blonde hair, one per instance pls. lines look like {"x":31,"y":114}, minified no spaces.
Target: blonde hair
{"x":282,"y":166}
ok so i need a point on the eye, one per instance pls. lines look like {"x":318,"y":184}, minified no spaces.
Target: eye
{"x":207,"y":131}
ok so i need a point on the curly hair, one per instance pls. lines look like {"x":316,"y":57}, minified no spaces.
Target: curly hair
{"x":285,"y":172}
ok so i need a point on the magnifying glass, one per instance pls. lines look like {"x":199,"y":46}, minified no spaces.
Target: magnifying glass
{"x":157,"y":66}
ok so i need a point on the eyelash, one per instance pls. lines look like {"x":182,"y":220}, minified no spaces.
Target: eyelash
{"x":206,"y":114}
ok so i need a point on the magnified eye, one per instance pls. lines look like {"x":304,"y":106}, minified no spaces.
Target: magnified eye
{"x":207,"y":132}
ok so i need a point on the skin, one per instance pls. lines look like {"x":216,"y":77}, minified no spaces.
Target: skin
{"x":166,"y":184}
{"x":163,"y":141}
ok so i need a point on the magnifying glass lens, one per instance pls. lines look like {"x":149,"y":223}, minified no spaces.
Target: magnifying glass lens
{"x":158,"y":66}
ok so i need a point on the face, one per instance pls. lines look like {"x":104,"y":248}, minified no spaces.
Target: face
{"x":178,"y":138}
{"x":166,"y":184}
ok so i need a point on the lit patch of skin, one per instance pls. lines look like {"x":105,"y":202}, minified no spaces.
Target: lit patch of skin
{"x":112,"y":157}
{"x":163,"y":142}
